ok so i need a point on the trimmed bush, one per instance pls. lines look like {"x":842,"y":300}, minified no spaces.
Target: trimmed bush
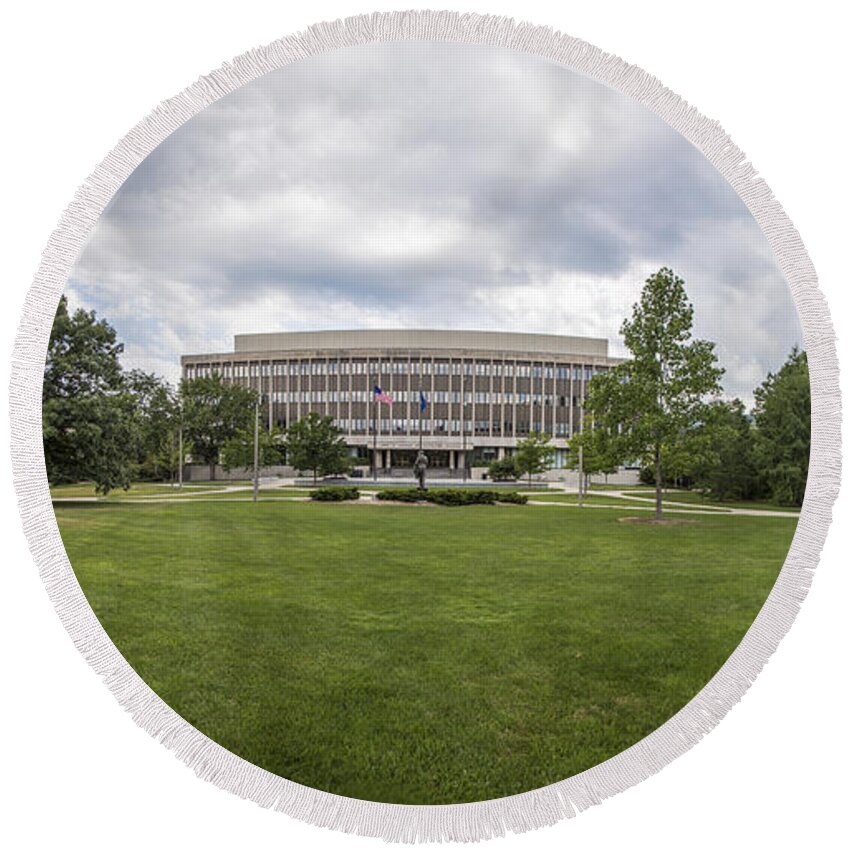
{"x":513,"y":498}
{"x":335,"y":494}
{"x":454,"y":498}
{"x":450,"y":497}
{"x":402,"y":494}
{"x":503,"y":470}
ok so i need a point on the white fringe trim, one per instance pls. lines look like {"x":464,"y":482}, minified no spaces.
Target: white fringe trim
{"x":469,"y":821}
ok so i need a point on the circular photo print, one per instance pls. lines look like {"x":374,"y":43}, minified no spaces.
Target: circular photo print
{"x":425,"y":423}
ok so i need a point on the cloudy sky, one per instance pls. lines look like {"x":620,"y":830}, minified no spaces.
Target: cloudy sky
{"x":426,"y":185}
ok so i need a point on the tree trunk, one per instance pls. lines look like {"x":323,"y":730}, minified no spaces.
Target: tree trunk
{"x":658,"y":481}
{"x":212,"y":471}
{"x":315,"y":477}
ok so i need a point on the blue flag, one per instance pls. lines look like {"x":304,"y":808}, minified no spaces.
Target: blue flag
{"x":423,"y":402}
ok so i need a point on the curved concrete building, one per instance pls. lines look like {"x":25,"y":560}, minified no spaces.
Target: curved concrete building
{"x":485,"y":390}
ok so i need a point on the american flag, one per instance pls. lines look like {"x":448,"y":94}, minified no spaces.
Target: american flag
{"x":382,"y":397}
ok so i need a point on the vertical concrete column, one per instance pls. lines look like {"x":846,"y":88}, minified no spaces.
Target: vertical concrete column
{"x":271,"y":393}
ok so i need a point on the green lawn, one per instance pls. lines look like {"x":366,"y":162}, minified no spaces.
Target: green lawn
{"x":247,"y":493}
{"x":637,"y":487}
{"x":203,"y":490}
{"x":692,"y":498}
{"x":597,"y":499}
{"x":86,"y":490}
{"x":421,"y":655}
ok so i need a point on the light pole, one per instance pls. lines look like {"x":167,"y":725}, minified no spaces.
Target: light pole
{"x":256,"y":447}
{"x":179,"y":445}
{"x":581,"y":476}
{"x":180,"y":456}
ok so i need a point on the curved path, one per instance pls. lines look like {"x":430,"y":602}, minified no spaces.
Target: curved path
{"x":635,"y":502}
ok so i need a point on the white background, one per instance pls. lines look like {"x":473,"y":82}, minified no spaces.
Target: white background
{"x":75,"y":769}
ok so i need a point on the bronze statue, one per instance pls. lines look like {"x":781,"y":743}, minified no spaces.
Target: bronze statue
{"x":419,"y":467}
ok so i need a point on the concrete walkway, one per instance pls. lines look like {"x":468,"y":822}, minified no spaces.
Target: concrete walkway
{"x":634,"y":501}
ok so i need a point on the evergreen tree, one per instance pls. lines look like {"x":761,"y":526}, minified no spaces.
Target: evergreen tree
{"x":783,"y":438}
{"x":718,"y":454}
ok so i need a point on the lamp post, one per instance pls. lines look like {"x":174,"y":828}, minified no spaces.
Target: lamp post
{"x":259,"y":401}
{"x":180,"y":455}
{"x":179,"y":444}
{"x":256,"y":448}
{"x":581,"y":476}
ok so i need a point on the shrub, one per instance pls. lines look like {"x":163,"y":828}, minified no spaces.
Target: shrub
{"x":335,"y":494}
{"x":401,"y":494}
{"x":503,"y":470}
{"x":451,"y":497}
{"x":647,"y":475}
{"x":513,"y":498}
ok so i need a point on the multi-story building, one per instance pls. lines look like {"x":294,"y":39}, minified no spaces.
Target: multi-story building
{"x":485,"y":390}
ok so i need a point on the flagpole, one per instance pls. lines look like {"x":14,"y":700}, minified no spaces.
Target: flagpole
{"x":374,"y":431}
{"x":421,"y":411}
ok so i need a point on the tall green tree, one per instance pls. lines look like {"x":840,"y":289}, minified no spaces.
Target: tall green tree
{"x":534,"y":455}
{"x":238,"y":451}
{"x":717,"y":454}
{"x":783,"y":437}
{"x":213,"y":412}
{"x":648,"y":401}
{"x":594,"y":450}
{"x":314,"y":443}
{"x":157,"y":423}
{"x":88,"y":411}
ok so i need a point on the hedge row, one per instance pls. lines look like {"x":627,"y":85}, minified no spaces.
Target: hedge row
{"x":451,"y":497}
{"x":335,"y":494}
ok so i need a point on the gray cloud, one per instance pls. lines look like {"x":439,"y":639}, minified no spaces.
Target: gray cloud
{"x":432,"y":185}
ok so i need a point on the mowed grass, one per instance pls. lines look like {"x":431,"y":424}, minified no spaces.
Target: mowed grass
{"x":597,"y":499}
{"x":421,"y":655}
{"x":85,"y":489}
{"x":698,"y":500}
